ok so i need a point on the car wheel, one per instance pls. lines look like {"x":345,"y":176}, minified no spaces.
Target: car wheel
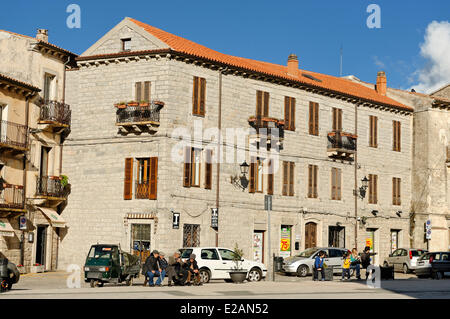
{"x":205,"y":275}
{"x":405,"y":269}
{"x":254,"y":274}
{"x":302,"y":271}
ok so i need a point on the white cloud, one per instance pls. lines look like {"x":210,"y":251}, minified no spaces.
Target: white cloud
{"x":436,"y":50}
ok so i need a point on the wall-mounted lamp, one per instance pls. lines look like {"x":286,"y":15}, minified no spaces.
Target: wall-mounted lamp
{"x":375,"y":213}
{"x":399,"y":213}
{"x":363,"y":220}
{"x":241,"y":181}
{"x":361,"y":192}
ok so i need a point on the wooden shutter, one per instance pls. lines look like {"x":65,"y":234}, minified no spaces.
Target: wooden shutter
{"x":253,"y":164}
{"x":146,"y":97}
{"x":195,"y":97}
{"x":310,"y":182}
{"x":292,"y":116}
{"x":285,"y":178}
{"x":208,"y":169}
{"x":373,"y":185}
{"x":399,"y":200}
{"x":375,"y":189}
{"x":396,"y":128}
{"x":128,"y":183}
{"x":337,"y":119}
{"x":266,"y":104}
{"x":316,"y":118}
{"x":259,"y":95}
{"x":138,"y":91}
{"x":315,"y":181}
{"x":373,"y":131}
{"x":270,"y":178}
{"x":333,"y":180}
{"x":291,"y":178}
{"x":313,"y":118}
{"x":202,"y":96}
{"x":339,"y":184}
{"x":153,"y":183}
{"x":287,"y":113}
{"x":187,"y":167}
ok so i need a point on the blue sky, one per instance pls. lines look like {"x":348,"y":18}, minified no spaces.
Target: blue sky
{"x":262,"y":30}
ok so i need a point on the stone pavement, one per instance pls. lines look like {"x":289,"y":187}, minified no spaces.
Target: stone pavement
{"x":53,"y":285}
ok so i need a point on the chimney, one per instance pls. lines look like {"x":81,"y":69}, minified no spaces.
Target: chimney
{"x":292,"y":65}
{"x":381,"y":83}
{"x":42,"y":35}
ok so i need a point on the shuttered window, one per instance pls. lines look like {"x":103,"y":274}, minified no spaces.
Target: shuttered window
{"x":396,"y":135}
{"x":289,"y":113}
{"x":448,"y":154}
{"x":312,"y":181}
{"x":153,"y":178}
{"x":199,"y":96}
{"x":396,"y":191}
{"x":313,"y":118}
{"x":187,"y":167}
{"x":208,"y":169}
{"x":336,"y":183}
{"x":373,"y":189}
{"x":128,"y":181}
{"x":373,"y":134}
{"x":270,"y":177}
{"x":251,"y":187}
{"x":262,"y":104}
{"x":337,"y":119}
{"x":142,"y":91}
{"x":288,"y":178}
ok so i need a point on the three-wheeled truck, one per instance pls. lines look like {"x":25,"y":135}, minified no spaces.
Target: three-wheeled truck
{"x":9,"y":274}
{"x":109,"y":264}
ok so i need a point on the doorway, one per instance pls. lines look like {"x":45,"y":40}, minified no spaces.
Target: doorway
{"x":140,"y":240}
{"x":310,"y":235}
{"x":41,"y":243}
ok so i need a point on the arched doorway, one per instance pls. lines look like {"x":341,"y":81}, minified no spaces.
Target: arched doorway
{"x":310,"y":235}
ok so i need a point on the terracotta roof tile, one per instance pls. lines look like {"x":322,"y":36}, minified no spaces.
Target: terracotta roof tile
{"x":327,"y":82}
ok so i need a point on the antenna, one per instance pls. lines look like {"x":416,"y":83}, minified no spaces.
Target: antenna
{"x":340,"y":65}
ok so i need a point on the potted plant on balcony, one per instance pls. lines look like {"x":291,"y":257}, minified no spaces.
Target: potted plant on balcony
{"x":121,"y":105}
{"x":237,"y":274}
{"x":133,"y":103}
{"x":144,"y":104}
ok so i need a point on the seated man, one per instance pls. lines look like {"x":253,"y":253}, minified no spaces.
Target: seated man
{"x":177,"y":271}
{"x":153,"y":268}
{"x":193,"y":271}
{"x":318,"y":266}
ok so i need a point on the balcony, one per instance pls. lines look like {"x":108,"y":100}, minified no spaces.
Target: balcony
{"x":13,"y":136}
{"x":341,"y":145}
{"x":267,"y":129}
{"x":52,"y":188}
{"x":136,"y":117}
{"x":142,"y":190}
{"x":11,"y":197}
{"x":56,"y":115}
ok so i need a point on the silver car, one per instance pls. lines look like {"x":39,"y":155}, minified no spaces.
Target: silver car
{"x":303,"y":263}
{"x":404,"y":259}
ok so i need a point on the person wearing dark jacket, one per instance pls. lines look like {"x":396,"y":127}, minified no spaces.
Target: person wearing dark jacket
{"x":153,"y":268}
{"x":193,"y":271}
{"x":318,"y":266}
{"x":163,"y":265}
{"x":365,"y":259}
{"x":176,"y":273}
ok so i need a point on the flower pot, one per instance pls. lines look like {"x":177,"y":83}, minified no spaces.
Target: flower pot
{"x":121,"y":106}
{"x":37,"y":269}
{"x":144,"y":105}
{"x":238,"y":276}
{"x":21,"y":269}
{"x":133,"y":104}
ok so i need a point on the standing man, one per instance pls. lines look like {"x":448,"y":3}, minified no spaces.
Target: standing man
{"x":365,"y":259}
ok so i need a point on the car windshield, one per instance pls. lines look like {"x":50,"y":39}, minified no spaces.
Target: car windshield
{"x":308,"y":252}
{"x":100,"y":252}
{"x":416,"y":253}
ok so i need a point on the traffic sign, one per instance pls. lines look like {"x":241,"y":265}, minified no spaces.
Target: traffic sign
{"x":214,"y":218}
{"x":22,"y":223}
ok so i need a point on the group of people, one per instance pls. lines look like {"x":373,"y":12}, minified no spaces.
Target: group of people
{"x":351,"y":261}
{"x":177,"y":271}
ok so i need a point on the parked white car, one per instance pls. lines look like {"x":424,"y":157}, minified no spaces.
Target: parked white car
{"x":217,"y":262}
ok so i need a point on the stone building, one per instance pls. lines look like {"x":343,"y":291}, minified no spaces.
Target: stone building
{"x":130,"y":187}
{"x":34,"y":120}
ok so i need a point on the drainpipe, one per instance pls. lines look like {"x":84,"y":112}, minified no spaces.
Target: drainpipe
{"x":219,"y":126}
{"x":63,"y":101}
{"x":356,"y":178}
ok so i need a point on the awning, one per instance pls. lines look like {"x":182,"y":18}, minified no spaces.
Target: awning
{"x":6,"y":228}
{"x":55,"y":219}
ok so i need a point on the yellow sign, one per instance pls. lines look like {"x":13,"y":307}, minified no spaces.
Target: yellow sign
{"x":369,"y":242}
{"x":285,"y":244}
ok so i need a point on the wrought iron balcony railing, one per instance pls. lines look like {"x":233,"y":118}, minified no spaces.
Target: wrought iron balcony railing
{"x":55,"y":112}
{"x":139,"y":113}
{"x":267,"y":126}
{"x":51,"y":186}
{"x":341,"y":141}
{"x":13,"y":135}
{"x":11,"y":196}
{"x":142,"y":190}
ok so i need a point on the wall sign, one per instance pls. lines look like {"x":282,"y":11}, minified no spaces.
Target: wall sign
{"x":175,"y":220}
{"x":214,"y":218}
{"x":22,"y":223}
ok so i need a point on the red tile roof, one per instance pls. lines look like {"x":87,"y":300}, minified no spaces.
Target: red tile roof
{"x":328,"y":82}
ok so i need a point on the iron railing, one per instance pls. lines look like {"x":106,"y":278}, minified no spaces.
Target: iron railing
{"x":191,"y":235}
{"x":51,"y":186}
{"x":11,"y":196}
{"x":13,"y":134}
{"x":341,"y":140}
{"x":142,"y":190}
{"x":54,"y":111}
{"x":267,"y":126}
{"x":138,"y":114}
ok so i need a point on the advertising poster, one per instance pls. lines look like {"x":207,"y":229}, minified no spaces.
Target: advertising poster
{"x":258,"y":251}
{"x":285,"y":243}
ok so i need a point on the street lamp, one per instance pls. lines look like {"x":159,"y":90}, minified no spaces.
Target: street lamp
{"x":361,"y":192}
{"x":241,"y":181}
